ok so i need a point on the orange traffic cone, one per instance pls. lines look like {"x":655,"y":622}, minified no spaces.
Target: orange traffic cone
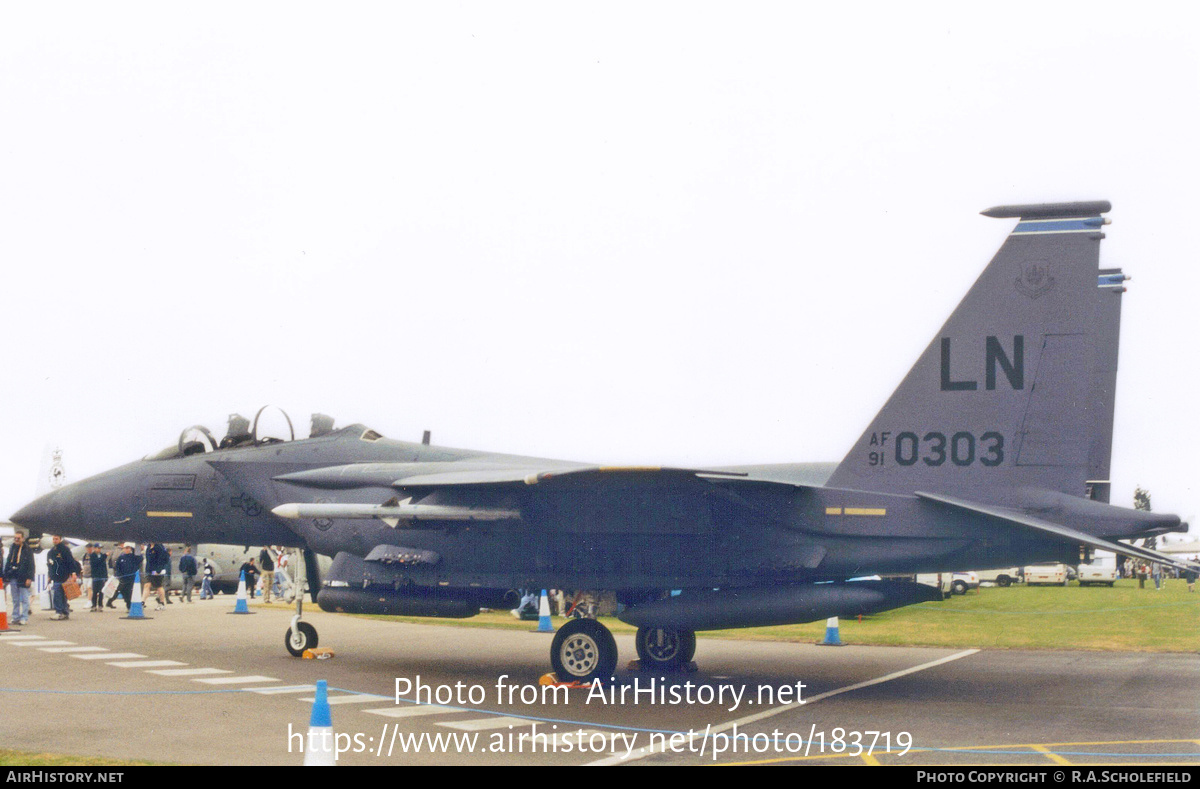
{"x":4,"y":628}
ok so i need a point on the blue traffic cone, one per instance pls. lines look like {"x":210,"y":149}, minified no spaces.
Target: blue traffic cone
{"x":318,"y":748}
{"x":135,"y":605}
{"x":544,"y":625}
{"x":832,"y":638}
{"x":241,"y":607}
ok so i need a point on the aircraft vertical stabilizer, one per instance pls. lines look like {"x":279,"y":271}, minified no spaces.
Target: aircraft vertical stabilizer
{"x":1015,"y":389}
{"x":51,"y":473}
{"x":1104,"y":382}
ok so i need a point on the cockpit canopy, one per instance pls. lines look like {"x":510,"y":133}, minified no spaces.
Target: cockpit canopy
{"x":271,"y":425}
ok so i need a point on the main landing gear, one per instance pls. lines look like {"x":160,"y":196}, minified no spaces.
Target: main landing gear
{"x":661,"y":649}
{"x":584,"y":650}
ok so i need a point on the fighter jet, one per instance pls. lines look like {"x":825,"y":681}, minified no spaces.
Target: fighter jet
{"x":993,"y":452}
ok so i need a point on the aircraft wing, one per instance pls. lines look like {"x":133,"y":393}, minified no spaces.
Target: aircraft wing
{"x":397,"y":510}
{"x":382,"y":475}
{"x":420,"y":479}
{"x":476,"y":474}
{"x":1058,"y":530}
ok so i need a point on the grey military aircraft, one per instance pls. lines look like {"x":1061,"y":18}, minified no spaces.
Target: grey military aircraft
{"x":993,"y":452}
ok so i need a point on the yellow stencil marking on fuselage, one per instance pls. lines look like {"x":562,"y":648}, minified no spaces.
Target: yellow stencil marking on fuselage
{"x":865,"y":511}
{"x":153,"y":514}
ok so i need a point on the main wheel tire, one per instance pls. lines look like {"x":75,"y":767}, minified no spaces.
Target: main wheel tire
{"x":304,"y":637}
{"x":1004,"y":580}
{"x":583,"y":650}
{"x":665,"y":650}
{"x":958,"y":587}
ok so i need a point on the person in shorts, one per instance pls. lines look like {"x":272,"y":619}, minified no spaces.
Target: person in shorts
{"x":157,"y":561}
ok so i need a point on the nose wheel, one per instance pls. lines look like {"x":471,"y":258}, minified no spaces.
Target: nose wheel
{"x":299,"y":638}
{"x":583,"y":650}
{"x":301,"y":635}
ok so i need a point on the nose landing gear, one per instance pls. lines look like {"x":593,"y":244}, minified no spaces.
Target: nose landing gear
{"x":299,"y":637}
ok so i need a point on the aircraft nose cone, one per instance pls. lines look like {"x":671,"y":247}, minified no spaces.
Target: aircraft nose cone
{"x":32,"y":515}
{"x":50,"y":513}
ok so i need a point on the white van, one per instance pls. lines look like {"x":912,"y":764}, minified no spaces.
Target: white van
{"x":1004,"y":577}
{"x":964,"y":581}
{"x":937,"y":581}
{"x":1097,"y":574}
{"x":1046,"y":573}
{"x":950,"y":583}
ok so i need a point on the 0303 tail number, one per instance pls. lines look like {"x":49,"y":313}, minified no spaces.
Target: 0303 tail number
{"x":936,"y":448}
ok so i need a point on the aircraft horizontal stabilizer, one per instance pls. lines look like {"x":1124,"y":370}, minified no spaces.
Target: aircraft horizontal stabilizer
{"x":1058,"y":530}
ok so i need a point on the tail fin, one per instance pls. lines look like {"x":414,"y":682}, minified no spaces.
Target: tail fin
{"x":1016,"y":388}
{"x":52,"y":474}
{"x":1104,"y":382}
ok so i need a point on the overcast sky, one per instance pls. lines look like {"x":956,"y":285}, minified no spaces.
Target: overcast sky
{"x":680,"y":233}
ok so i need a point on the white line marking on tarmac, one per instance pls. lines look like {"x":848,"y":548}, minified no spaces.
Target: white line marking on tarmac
{"x":146,"y":663}
{"x":412,"y":712}
{"x":642,"y":753}
{"x":73,"y":649}
{"x":864,"y":684}
{"x":15,"y":637}
{"x":189,"y":672}
{"x":44,"y":644}
{"x":349,"y":698}
{"x":481,"y":724}
{"x":286,"y":689}
{"x":109,"y":656}
{"x":235,"y":680}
